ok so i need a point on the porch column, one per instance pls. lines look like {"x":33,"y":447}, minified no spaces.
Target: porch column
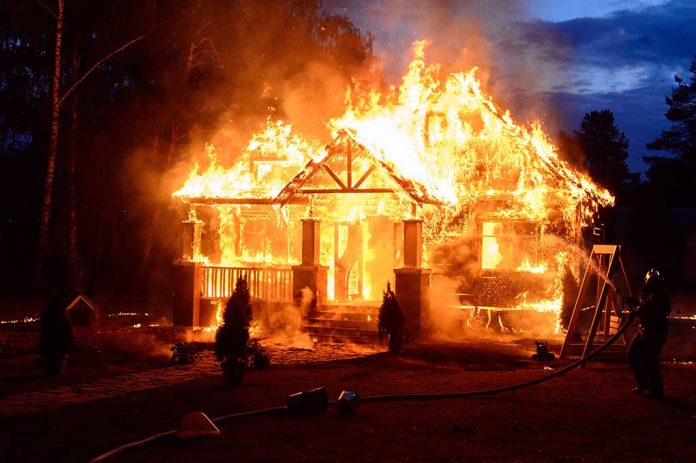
{"x":186,"y":294}
{"x":309,"y":274}
{"x":191,"y":238}
{"x":412,"y":282}
{"x":186,"y":278}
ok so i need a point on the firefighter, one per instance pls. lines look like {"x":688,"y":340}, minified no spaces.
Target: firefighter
{"x":646,"y":346}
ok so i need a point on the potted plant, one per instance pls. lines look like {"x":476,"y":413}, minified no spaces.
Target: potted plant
{"x":56,"y":336}
{"x":233,"y":335}
{"x":391,"y":320}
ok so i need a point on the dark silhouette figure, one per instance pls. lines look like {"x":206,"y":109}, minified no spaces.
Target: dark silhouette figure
{"x":646,"y":346}
{"x":56,"y":335}
{"x":391,"y":320}
{"x":232,"y":336}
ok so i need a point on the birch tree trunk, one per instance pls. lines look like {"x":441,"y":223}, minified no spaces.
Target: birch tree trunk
{"x":52,"y":153}
{"x":75,"y":271}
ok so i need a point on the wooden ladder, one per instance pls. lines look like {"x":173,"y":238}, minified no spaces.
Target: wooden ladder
{"x":605,"y":260}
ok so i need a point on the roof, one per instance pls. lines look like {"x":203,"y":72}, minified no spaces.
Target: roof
{"x":349,"y":166}
{"x":347,"y":159}
{"x":85,"y":300}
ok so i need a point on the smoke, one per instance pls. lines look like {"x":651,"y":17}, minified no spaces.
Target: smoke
{"x":299,"y":67}
{"x":460,"y":299}
{"x":517,"y":59}
{"x":214,"y":72}
{"x":277,"y":323}
{"x":443,"y":322}
{"x":459,"y":32}
{"x":141,"y":344}
{"x":282,"y":323}
{"x":312,"y":97}
{"x":449,"y":320}
{"x":278,"y":59}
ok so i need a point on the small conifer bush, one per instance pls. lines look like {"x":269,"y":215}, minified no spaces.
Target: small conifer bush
{"x":391,"y":320}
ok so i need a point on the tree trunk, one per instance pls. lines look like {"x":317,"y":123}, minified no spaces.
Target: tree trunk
{"x":150,"y":237}
{"x":52,"y":153}
{"x":152,"y":232}
{"x":75,"y":271}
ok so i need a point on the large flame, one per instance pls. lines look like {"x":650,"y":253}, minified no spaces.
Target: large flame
{"x":446,"y":135}
{"x":270,"y":158}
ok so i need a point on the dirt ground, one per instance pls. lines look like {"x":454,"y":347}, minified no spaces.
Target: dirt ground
{"x":119,"y":386}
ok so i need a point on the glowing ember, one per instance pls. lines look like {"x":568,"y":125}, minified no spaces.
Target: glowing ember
{"x":254,"y":329}
{"x":22,"y":320}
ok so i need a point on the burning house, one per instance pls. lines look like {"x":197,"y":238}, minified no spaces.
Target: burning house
{"x":430,"y":181}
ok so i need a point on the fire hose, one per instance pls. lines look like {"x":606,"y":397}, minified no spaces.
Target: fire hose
{"x":172,"y":432}
{"x":499,"y":390}
{"x":399,"y":397}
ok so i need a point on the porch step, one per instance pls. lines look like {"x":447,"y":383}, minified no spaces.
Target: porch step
{"x":366,"y":309}
{"x":342,"y":323}
{"x":345,"y":317}
{"x":322,"y":337}
{"x":340,"y":334}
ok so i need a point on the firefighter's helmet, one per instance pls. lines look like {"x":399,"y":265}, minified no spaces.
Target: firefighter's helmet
{"x":653,"y":276}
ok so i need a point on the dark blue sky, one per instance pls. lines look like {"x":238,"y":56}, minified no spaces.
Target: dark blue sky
{"x":552,"y":60}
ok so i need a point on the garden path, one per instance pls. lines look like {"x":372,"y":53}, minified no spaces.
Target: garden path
{"x":63,"y":396}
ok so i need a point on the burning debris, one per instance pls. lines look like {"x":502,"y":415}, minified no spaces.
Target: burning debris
{"x":499,"y":209}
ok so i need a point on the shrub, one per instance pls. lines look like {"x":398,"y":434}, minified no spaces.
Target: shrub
{"x":184,"y":353}
{"x":56,"y":336}
{"x":233,"y":335}
{"x":258,"y":357}
{"x":391,"y":320}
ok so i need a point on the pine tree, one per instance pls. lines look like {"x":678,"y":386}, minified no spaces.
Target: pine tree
{"x":675,"y":176}
{"x":605,"y":148}
{"x":680,"y":139}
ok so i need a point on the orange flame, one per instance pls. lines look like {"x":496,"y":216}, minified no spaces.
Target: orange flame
{"x":443,"y":132}
{"x":261,"y":171}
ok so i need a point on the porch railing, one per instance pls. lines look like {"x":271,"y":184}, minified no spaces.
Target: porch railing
{"x":266,"y":283}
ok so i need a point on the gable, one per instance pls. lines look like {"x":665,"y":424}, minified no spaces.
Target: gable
{"x":350,"y":168}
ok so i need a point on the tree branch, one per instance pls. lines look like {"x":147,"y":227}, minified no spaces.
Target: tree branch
{"x":99,"y":63}
{"x":47,"y":8}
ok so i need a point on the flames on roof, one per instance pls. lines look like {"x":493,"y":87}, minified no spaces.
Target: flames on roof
{"x":437,"y":139}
